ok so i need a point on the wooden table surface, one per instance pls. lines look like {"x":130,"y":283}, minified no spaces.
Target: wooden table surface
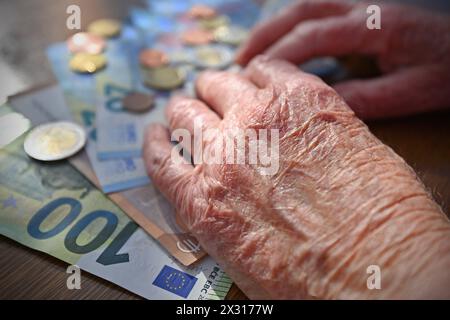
{"x":423,"y":140}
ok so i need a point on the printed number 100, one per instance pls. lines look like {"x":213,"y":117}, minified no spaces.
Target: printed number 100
{"x":109,"y":255}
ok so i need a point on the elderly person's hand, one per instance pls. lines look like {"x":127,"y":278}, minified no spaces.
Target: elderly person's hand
{"x":339,"y":202}
{"x":412,"y":49}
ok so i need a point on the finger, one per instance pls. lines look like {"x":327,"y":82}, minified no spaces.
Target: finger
{"x":405,"y":92}
{"x":268,"y":32}
{"x":264,"y":72}
{"x":224,"y":90}
{"x":333,"y":36}
{"x":167,"y":169}
{"x":186,"y":113}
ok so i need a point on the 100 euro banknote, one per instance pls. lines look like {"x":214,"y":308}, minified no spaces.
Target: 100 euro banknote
{"x":145,"y":205}
{"x":52,"y":208}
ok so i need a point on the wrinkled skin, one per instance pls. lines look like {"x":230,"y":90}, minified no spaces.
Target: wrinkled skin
{"x":411,"y":49}
{"x":340,"y":201}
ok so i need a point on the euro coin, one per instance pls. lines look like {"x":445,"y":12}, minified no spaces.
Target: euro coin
{"x":214,"y":23}
{"x":213,"y":57}
{"x":152,"y":58}
{"x":200,"y":11}
{"x":164,"y":78}
{"x":54,"y":141}
{"x":196,"y":37}
{"x":180,"y":57}
{"x":86,"y":42}
{"x":138,"y":102}
{"x":107,"y":28}
{"x":87,"y":63}
{"x":232,"y":35}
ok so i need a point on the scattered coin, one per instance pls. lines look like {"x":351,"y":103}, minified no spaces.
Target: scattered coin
{"x":200,"y":11}
{"x":213,"y":57}
{"x":180,"y":57}
{"x":232,"y":35}
{"x":54,"y":141}
{"x":152,"y":58}
{"x":138,"y":102}
{"x":107,"y":28}
{"x":164,"y":78}
{"x":197,"y":37}
{"x":86,"y":42}
{"x":87,"y":63}
{"x":214,"y":23}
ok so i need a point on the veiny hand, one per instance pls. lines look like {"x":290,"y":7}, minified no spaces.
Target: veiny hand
{"x":340,"y":201}
{"x":412,"y":49}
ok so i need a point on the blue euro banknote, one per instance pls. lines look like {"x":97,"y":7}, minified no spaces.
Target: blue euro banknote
{"x":80,"y":96}
{"x":119,"y":132}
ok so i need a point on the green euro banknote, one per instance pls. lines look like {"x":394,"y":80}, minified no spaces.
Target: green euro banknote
{"x":145,"y":205}
{"x":52,"y":208}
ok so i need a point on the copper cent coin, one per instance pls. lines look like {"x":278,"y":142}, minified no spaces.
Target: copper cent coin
{"x":86,"y":42}
{"x":138,"y":102}
{"x":197,"y":37}
{"x":200,"y":11}
{"x":152,"y":58}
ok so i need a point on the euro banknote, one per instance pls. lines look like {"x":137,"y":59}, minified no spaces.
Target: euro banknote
{"x":145,"y":205}
{"x":52,"y":208}
{"x":80,"y":92}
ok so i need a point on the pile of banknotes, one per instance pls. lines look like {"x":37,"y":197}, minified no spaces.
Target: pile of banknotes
{"x":73,"y":181}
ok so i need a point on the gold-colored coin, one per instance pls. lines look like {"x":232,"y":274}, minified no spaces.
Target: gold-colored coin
{"x":213,"y":57}
{"x":215,"y":22}
{"x":209,"y":56}
{"x":232,"y":35}
{"x":87,"y":63}
{"x":107,"y":28}
{"x":196,"y":37}
{"x":164,"y":78}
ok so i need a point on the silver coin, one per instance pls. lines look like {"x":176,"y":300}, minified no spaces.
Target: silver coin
{"x":54,"y":141}
{"x":232,"y":35}
{"x":216,"y":57}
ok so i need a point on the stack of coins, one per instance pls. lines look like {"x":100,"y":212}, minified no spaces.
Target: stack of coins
{"x":87,"y":47}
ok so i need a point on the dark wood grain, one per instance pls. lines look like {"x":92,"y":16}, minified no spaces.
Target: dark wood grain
{"x":423,"y":140}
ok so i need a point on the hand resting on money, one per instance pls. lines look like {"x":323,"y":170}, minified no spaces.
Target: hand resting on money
{"x":411,"y":48}
{"x":341,"y":201}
